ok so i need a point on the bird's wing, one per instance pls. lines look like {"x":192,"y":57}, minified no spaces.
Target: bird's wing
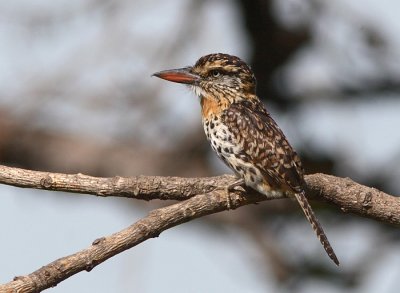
{"x":264,"y":143}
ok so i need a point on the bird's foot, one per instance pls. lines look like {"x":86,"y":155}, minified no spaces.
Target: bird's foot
{"x":230,"y":188}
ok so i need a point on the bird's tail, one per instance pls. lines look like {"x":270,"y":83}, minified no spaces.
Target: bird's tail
{"x":316,"y":226}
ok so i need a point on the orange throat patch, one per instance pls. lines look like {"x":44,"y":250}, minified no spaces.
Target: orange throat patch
{"x":211,"y":107}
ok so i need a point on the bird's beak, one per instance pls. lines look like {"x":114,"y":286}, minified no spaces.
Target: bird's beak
{"x":180,"y":75}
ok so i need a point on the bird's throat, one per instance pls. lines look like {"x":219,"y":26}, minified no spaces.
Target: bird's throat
{"x":211,"y":107}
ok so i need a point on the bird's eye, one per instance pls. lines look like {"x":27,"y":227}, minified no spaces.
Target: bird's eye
{"x":215,"y":73}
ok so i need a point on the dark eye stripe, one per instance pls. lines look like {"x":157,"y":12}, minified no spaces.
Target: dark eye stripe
{"x":221,"y":71}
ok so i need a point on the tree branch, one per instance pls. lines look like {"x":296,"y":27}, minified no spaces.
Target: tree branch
{"x":139,"y":187}
{"x":199,"y":198}
{"x":343,"y":192}
{"x":353,"y":197}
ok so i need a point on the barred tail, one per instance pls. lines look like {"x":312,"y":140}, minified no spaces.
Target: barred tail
{"x":316,"y":226}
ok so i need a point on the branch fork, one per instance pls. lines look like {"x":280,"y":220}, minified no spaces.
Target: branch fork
{"x":197,"y":197}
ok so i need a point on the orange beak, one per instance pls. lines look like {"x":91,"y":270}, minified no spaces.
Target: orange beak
{"x":180,"y":75}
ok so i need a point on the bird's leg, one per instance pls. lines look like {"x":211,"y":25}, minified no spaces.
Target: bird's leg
{"x":231,"y":187}
{"x":238,"y":182}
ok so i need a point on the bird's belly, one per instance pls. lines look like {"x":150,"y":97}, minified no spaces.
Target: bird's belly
{"x":231,"y":152}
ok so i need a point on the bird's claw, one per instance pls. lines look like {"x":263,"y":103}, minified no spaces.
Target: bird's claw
{"x":231,"y":188}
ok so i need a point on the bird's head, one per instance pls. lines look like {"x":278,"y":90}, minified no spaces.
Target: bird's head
{"x":220,"y":77}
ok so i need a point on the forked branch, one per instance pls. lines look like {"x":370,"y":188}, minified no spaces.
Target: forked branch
{"x":198,"y":196}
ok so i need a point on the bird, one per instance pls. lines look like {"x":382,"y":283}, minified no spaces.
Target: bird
{"x":242,"y":132}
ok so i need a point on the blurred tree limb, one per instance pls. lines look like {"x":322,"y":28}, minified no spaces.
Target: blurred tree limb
{"x":198,"y":196}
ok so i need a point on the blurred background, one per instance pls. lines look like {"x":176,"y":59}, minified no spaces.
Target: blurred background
{"x":76,"y":95}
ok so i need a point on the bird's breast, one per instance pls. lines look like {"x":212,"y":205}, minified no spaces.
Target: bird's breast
{"x":221,"y":139}
{"x":230,"y":149}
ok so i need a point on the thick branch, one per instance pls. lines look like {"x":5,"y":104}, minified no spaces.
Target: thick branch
{"x":139,"y":187}
{"x":343,"y":192}
{"x":355,"y":198}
